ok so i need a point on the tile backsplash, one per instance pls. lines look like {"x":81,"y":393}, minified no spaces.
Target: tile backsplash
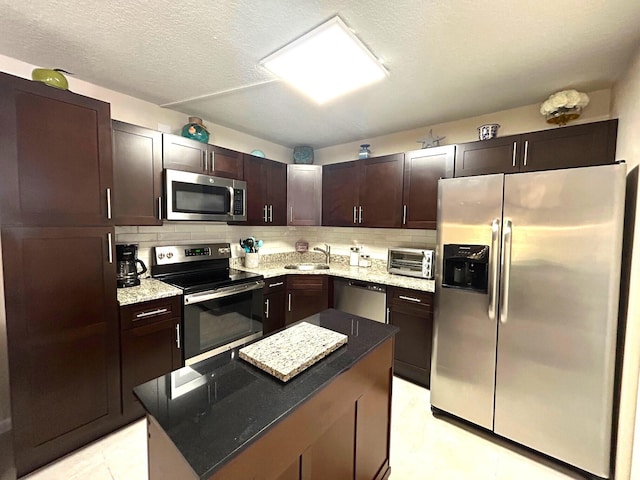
{"x":375,"y":241}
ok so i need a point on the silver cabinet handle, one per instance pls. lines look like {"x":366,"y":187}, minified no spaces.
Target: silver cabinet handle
{"x":159,"y":208}
{"x":526,"y":152}
{"x":505,"y":265}
{"x":411,"y":299}
{"x":110,"y":246}
{"x":271,"y":213}
{"x":493,"y":266}
{"x":212,"y":157}
{"x":266,"y":218}
{"x":291,"y":214}
{"x":354,"y":214}
{"x":109,"y":203}
{"x":277,"y":284}
{"x":204,"y":161}
{"x":152,"y":312}
{"x":266,"y":304}
{"x":388,"y":314}
{"x":178,"y":336}
{"x":513,"y":161}
{"x":289,"y":302}
{"x":360,"y":214}
{"x":404,"y":214}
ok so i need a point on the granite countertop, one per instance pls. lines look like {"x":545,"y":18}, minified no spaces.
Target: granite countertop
{"x":149,"y":289}
{"x":374,"y":274}
{"x":214,"y":409}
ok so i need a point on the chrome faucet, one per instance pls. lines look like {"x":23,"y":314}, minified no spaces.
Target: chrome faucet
{"x":326,"y":250}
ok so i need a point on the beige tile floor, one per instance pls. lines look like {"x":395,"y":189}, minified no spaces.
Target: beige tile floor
{"x":422,"y":447}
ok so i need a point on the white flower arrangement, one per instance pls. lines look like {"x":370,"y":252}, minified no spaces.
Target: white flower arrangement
{"x":564,"y":99}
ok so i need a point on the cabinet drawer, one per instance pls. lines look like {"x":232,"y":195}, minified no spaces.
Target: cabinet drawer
{"x":405,"y":297}
{"x":307,"y":282}
{"x":139,"y":314}
{"x":275,"y":284}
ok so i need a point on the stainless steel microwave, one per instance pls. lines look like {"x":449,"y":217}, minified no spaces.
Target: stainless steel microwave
{"x":413,"y":262}
{"x":192,"y":196}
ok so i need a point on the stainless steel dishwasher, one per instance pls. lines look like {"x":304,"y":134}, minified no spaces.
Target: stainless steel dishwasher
{"x":365,"y":299}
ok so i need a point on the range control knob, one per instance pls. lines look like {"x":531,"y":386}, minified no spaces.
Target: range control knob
{"x":169,"y":255}
{"x":161,"y":256}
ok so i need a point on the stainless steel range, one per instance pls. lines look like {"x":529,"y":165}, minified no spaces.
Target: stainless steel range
{"x":222,"y":307}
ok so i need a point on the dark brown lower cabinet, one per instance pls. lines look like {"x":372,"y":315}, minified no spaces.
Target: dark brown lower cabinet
{"x":306,"y":295}
{"x":150,"y":346}
{"x":275,"y":293}
{"x":412,"y":312}
{"x":342,"y":432}
{"x":62,"y":335}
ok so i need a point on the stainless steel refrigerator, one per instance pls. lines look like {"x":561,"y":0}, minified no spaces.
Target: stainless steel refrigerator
{"x":527,"y":287}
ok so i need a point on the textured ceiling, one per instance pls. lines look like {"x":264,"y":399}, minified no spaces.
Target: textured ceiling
{"x":448,"y":59}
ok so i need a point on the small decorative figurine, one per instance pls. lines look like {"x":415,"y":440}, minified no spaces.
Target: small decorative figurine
{"x":430,"y":141}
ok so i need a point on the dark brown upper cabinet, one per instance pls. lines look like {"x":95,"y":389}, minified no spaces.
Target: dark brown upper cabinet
{"x":304,"y":194}
{"x":562,"y":147}
{"x":180,"y":153}
{"x":422,"y":170}
{"x":364,"y":193}
{"x":56,"y":167}
{"x":266,"y":191}
{"x":137,"y":175}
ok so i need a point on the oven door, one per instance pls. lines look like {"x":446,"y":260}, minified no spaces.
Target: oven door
{"x":220,"y":320}
{"x":191,"y":196}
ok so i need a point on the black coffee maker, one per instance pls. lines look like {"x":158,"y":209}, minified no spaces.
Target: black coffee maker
{"x":127,"y":265}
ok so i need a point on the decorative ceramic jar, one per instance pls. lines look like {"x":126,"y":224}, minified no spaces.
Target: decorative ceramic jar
{"x":488,"y":131}
{"x":196,"y":130}
{"x":303,"y":154}
{"x":364,"y":151}
{"x":52,"y":77}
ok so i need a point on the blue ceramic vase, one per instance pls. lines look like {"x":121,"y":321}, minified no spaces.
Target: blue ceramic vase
{"x":196,"y":130}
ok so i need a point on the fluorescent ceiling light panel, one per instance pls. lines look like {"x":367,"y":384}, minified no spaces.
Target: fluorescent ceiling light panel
{"x":327,"y":62}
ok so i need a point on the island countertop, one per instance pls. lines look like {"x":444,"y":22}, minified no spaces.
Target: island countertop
{"x":215,"y":409}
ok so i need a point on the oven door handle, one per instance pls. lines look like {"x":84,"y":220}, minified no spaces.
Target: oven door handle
{"x":222,"y":292}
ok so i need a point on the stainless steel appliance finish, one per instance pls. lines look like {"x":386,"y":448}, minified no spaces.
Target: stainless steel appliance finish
{"x":361,"y":298}
{"x":222,"y":307}
{"x":192,"y":196}
{"x":412,"y":262}
{"x":542,"y":339}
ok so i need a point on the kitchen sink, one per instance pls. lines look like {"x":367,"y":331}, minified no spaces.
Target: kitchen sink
{"x":307,"y":266}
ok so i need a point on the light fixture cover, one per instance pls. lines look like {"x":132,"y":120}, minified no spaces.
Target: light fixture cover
{"x":325,"y":63}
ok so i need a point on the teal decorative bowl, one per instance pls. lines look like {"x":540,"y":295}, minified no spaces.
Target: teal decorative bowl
{"x":196,"y":130}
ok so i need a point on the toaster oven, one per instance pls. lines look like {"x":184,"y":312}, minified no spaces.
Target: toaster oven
{"x":413,"y":262}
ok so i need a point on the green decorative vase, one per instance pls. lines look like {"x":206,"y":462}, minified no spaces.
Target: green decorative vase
{"x":51,"y":76}
{"x":196,"y":130}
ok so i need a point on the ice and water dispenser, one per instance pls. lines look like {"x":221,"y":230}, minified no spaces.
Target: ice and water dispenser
{"x":466,"y":266}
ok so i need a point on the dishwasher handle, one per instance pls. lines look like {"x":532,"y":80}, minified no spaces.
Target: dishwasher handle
{"x":367,"y":286}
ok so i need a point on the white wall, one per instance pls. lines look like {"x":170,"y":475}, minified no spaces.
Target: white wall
{"x":626,"y":106}
{"x":513,"y":121}
{"x":133,"y":110}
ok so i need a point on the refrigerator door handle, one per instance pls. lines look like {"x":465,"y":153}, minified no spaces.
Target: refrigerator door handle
{"x":494,"y":260}
{"x":505,"y":265}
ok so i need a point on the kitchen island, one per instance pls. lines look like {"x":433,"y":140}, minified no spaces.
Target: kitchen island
{"x":226,"y":419}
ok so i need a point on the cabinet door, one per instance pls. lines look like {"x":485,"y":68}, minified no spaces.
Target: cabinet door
{"x":412,"y":312}
{"x":225,"y":163}
{"x":274,"y":311}
{"x":381,"y":191}
{"x":255,"y":176}
{"x":56,"y":164}
{"x":422,"y":170}
{"x":340,"y":194}
{"x":276,"y":192}
{"x":137,"y":175}
{"x":148,"y":352}
{"x":498,"y":155}
{"x":567,"y":147}
{"x":180,"y":153}
{"x":62,"y":331}
{"x":304,"y":194}
{"x":306,"y":295}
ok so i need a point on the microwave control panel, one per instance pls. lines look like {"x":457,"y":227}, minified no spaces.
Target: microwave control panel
{"x":238,"y":201}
